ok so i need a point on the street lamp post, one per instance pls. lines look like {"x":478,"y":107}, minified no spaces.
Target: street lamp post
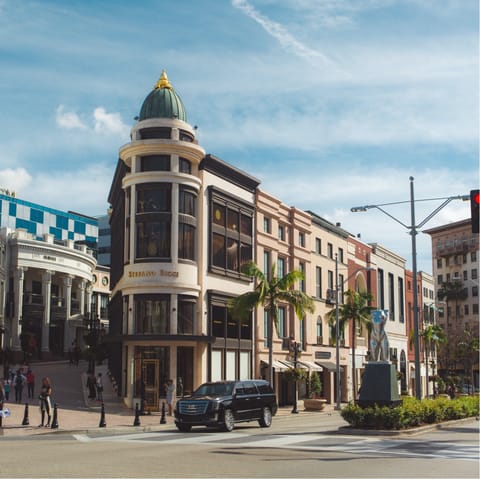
{"x":295,"y":350}
{"x":92,"y":323}
{"x":413,"y":231}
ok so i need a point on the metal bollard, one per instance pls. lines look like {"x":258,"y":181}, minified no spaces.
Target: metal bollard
{"x":162,"y":419}
{"x":55,"y":417}
{"x":136,"y":422}
{"x":102,"y":417}
{"x":25,"y":421}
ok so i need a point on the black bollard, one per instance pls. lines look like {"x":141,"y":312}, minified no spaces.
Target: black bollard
{"x":102,"y":417}
{"x":25,"y":421}
{"x":162,"y":419}
{"x":136,"y":422}
{"x":55,"y":417}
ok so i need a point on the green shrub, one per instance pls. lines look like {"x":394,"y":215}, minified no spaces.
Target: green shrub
{"x":411,"y":413}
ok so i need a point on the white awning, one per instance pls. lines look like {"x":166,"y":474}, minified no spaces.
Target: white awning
{"x":312,"y":366}
{"x":277,"y":365}
{"x":290,"y":364}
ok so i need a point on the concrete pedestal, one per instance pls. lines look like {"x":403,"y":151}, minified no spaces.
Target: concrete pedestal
{"x":379,"y":385}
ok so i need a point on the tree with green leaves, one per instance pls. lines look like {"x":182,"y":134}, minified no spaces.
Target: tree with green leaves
{"x":432,"y":335}
{"x":355,"y":310}
{"x":451,"y":292}
{"x":270,"y":292}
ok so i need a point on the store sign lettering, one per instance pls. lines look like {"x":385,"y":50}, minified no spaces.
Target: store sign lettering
{"x":152,"y":274}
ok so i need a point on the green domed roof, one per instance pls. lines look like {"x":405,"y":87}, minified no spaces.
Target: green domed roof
{"x":163,"y":102}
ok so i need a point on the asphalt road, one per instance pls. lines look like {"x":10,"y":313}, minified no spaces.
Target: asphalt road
{"x":292,"y":447}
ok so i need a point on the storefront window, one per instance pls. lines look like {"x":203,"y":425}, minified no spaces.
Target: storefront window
{"x":152,"y":314}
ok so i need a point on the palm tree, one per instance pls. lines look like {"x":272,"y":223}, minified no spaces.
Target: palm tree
{"x":356,"y":310}
{"x":432,"y":336}
{"x":270,"y":293}
{"x":451,"y":291}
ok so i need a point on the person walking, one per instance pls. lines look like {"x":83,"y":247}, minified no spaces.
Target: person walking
{"x":45,"y":402}
{"x":18,"y":384}
{"x":91,"y":385}
{"x":30,"y":383}
{"x":99,"y":386}
{"x":170,"y":393}
{"x":6,"y":388}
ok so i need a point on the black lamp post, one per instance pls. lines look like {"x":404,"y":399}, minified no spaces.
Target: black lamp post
{"x":92,"y":323}
{"x":295,"y":349}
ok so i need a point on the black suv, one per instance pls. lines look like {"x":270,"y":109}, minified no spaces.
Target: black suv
{"x":222,"y":404}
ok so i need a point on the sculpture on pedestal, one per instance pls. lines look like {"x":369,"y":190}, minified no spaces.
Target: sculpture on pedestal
{"x":379,"y":350}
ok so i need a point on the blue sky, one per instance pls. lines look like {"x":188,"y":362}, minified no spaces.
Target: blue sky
{"x":330,"y":103}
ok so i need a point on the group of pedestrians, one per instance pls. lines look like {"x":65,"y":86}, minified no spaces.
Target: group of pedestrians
{"x":18,"y":381}
{"x":95,"y":386}
{"x":21,"y":379}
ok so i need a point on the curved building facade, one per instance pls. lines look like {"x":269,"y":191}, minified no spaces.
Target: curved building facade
{"x":181,"y":227}
{"x":46,"y":291}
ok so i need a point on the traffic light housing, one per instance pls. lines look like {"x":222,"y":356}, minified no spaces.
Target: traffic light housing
{"x":475,"y":207}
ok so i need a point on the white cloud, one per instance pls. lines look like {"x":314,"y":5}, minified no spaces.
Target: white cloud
{"x":68,"y":119}
{"x":109,"y":123}
{"x":104,"y":123}
{"x":280,"y":33}
{"x":15,"y":179}
{"x":84,"y":190}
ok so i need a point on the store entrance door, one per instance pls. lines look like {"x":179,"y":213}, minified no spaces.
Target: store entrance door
{"x":150,"y":373}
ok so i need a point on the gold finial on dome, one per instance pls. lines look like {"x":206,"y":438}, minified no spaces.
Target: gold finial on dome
{"x":163,"y":82}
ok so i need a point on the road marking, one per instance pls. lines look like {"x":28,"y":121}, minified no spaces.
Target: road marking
{"x":317,"y":443}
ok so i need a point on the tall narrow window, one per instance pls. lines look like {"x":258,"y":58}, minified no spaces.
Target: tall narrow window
{"x":187,"y":223}
{"x":281,"y":322}
{"x":301,"y":239}
{"x":391,"y":294}
{"x":266,"y":263}
{"x":186,"y":315}
{"x":400,"y":300}
{"x":319,"y":330}
{"x":281,"y":267}
{"x":318,"y":281}
{"x":301,"y":268}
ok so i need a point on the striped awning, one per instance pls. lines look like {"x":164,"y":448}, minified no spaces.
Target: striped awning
{"x":291,"y":365}
{"x":311,"y":365}
{"x":277,"y":365}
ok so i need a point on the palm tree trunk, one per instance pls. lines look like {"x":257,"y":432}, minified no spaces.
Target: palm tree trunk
{"x":270,"y":348}
{"x":354,"y":377}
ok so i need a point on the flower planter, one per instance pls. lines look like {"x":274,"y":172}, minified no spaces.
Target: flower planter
{"x":314,"y":404}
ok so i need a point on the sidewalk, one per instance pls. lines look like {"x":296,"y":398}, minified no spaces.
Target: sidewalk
{"x":77,"y":413}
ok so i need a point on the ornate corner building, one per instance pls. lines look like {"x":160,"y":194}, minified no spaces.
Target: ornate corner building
{"x":181,"y":227}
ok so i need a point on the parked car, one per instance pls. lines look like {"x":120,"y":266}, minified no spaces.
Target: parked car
{"x":224,"y":403}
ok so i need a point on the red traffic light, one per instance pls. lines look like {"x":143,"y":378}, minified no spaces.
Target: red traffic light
{"x":475,"y":209}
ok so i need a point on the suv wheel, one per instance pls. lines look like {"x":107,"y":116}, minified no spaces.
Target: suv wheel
{"x":266,"y":419}
{"x":184,"y":427}
{"x":228,"y":420}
